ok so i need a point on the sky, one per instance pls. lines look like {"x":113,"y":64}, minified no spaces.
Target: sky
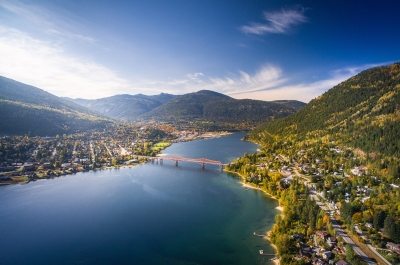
{"x":264,"y":50}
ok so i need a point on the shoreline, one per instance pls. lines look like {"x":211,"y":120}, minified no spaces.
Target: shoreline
{"x":246,"y":185}
{"x":279,"y":208}
{"x":203,"y":136}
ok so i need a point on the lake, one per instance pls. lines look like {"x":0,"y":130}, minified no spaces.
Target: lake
{"x":154,"y":213}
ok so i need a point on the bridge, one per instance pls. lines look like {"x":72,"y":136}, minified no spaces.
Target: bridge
{"x":201,"y":161}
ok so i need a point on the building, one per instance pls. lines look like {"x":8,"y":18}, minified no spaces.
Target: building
{"x":331,"y":241}
{"x":327,"y":255}
{"x":342,"y":262}
{"x":28,"y":167}
{"x":47,"y":165}
{"x":394,"y":247}
{"x":64,"y":165}
{"x":322,"y":234}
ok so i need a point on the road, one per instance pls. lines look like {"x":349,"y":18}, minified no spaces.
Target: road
{"x":347,"y":239}
{"x":92,"y":151}
{"x":377,"y":253}
{"x":108,"y":150}
{"x":342,"y":233}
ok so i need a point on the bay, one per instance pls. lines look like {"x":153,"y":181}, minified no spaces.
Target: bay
{"x":154,"y":213}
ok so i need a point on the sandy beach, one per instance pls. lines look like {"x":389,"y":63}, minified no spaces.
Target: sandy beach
{"x":279,"y":208}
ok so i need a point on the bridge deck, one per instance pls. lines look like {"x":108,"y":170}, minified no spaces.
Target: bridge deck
{"x":201,"y":161}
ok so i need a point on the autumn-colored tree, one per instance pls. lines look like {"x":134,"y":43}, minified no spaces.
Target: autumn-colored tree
{"x":357,"y":217}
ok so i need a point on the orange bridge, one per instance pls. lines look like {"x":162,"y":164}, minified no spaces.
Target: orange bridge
{"x":201,"y":161}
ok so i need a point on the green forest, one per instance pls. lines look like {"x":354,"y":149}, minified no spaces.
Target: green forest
{"x":344,"y":146}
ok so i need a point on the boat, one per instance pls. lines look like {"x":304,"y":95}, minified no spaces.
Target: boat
{"x":264,"y":254}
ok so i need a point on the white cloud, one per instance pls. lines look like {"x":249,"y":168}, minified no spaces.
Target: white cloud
{"x":268,"y":76}
{"x":277,"y":22}
{"x":305,"y":91}
{"x":47,"y":66}
{"x":195,"y":75}
{"x":46,"y":21}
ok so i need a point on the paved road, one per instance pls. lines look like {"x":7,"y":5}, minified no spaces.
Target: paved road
{"x":377,"y":253}
{"x":340,"y":232}
{"x":348,"y":240}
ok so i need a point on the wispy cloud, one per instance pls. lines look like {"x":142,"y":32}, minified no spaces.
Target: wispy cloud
{"x":266,"y":77}
{"x":45,"y":20}
{"x":195,"y":76}
{"x":48,"y":66}
{"x":305,"y":91}
{"x":279,"y":22}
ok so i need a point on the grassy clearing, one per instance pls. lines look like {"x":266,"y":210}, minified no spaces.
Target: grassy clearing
{"x":160,"y":146}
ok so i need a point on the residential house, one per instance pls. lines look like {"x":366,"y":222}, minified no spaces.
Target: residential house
{"x":47,"y":165}
{"x":28,"y":167}
{"x":64,"y":165}
{"x":327,"y":255}
{"x":331,"y":241}
{"x":305,"y":252}
{"x":316,"y":261}
{"x":358,"y":171}
{"x":298,"y":236}
{"x":369,"y":225}
{"x":342,"y":262}
{"x":394,"y":247}
{"x":322,"y":234}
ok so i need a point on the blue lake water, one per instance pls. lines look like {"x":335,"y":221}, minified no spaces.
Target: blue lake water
{"x":149,"y":214}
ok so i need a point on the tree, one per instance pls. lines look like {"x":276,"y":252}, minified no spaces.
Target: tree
{"x":284,"y":244}
{"x":391,"y":229}
{"x":350,"y":254}
{"x":367,"y":216}
{"x":379,"y":220}
{"x":357,"y":217}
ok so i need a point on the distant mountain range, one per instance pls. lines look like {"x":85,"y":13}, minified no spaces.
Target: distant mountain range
{"x":124,"y":107}
{"x":363,"y":112}
{"x":29,"y":110}
{"x":214,"y":107}
{"x":202,"y":106}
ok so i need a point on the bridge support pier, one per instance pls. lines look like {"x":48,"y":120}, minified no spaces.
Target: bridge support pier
{"x":176,"y":163}
{"x":202,"y":165}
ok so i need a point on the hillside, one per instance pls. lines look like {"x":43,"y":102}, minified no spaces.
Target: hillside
{"x":362,"y":112}
{"x":29,"y":110}
{"x":124,"y":107}
{"x":209,"y":106}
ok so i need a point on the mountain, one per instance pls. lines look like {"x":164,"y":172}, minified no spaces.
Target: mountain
{"x":29,"y":110}
{"x":362,"y":112}
{"x":210,"y":106}
{"x":203,"y":106}
{"x":124,"y":107}
{"x":294,"y":104}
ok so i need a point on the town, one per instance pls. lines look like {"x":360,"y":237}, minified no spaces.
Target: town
{"x":23,"y":158}
{"x":338,"y":208}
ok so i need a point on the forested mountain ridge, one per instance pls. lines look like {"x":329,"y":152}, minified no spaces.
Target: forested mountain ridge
{"x":124,"y":107}
{"x":210,"y":106}
{"x":15,"y":91}
{"x":206,"y":108}
{"x":362,"y":112}
{"x":29,"y":110}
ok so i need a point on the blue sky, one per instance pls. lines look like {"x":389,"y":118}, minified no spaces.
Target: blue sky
{"x":264,"y":50}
